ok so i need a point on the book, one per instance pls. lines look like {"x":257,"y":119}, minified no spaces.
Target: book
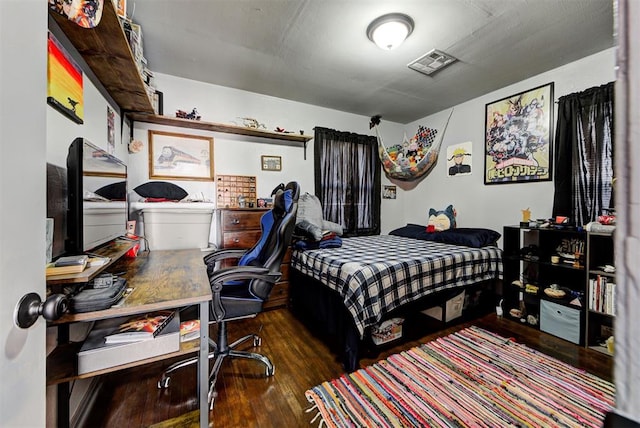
{"x":141,"y":327}
{"x":96,"y":354}
{"x":98,"y":261}
{"x":66,"y":265}
{"x":71,"y":260}
{"x":189,"y":330}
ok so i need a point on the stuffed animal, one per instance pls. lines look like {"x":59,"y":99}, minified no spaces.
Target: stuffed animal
{"x":441,"y":220}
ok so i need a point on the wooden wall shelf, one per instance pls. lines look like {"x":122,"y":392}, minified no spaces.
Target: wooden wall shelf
{"x":106,"y":51}
{"x":218,"y":127}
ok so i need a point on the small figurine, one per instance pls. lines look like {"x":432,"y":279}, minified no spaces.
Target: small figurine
{"x":194,"y":115}
{"x":250,"y":122}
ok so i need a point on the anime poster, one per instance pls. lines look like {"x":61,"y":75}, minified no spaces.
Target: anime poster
{"x":64,"y":82}
{"x":518,"y":137}
{"x":459,"y":159}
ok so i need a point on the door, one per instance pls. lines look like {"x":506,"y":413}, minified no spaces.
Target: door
{"x":23,"y":71}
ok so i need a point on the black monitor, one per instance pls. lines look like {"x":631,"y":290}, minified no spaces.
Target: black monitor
{"x":97,"y":198}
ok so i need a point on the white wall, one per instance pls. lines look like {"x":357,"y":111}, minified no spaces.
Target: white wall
{"x":496,"y":205}
{"x":240,"y":155}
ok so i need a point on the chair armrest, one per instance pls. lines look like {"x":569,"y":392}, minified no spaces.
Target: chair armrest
{"x":217,"y":278}
{"x":222,"y":254}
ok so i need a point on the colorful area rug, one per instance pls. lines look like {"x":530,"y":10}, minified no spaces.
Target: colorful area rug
{"x":470,"y":378}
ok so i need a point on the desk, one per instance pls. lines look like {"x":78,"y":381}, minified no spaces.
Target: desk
{"x":169,"y":279}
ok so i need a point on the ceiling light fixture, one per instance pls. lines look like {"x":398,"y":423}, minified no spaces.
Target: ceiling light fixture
{"x":389,"y":31}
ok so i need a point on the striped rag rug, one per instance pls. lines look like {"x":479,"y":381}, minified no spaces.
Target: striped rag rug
{"x":471,"y":378}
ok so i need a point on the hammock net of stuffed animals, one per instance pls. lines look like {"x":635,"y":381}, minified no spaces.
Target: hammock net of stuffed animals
{"x":413,"y":158}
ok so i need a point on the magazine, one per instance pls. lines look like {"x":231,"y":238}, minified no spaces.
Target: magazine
{"x":140,"y":327}
{"x":189,"y":330}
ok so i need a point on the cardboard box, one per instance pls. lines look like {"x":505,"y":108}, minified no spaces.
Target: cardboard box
{"x":449,"y":310}
{"x":387,"y":331}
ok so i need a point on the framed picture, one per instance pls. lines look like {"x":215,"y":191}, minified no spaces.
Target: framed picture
{"x":389,"y":192}
{"x":121,"y":8}
{"x":180,"y":156}
{"x":459,"y":159}
{"x":271,"y":163}
{"x":518,"y":137}
{"x":65,"y":91}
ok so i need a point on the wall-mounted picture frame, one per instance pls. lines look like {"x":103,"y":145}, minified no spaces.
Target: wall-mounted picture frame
{"x":65,"y":86}
{"x":518,"y":137}
{"x":389,"y":192}
{"x":174,"y":156}
{"x":121,"y":8}
{"x":271,"y":163}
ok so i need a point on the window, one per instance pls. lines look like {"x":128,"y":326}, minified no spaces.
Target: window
{"x":347,"y":180}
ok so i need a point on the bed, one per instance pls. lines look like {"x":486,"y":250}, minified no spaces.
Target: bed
{"x":347,"y":290}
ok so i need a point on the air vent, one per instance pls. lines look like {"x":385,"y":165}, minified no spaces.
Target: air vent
{"x":431,"y":62}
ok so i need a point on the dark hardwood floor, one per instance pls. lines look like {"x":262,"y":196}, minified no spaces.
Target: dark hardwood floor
{"x":246,"y":398}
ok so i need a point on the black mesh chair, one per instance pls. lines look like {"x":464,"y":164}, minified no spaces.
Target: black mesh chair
{"x":240,"y":291}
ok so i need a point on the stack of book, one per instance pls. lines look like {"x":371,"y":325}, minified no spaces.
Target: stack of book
{"x":118,"y":341}
{"x":67,"y":265}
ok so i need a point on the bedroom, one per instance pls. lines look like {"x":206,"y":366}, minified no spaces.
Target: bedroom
{"x":466,"y":125}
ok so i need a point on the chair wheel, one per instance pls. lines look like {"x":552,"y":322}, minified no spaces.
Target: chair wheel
{"x":257,"y":341}
{"x":164,"y":383}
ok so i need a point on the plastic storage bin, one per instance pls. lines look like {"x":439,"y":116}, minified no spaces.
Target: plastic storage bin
{"x":174,"y":226}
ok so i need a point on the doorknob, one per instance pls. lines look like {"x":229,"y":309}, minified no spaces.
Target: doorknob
{"x":30,"y":307}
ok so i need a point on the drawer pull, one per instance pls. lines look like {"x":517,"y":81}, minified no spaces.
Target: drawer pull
{"x":235,"y":221}
{"x":236,"y":240}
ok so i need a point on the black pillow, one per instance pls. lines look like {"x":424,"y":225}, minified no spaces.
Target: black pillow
{"x":469,"y":237}
{"x":114,"y":191}
{"x":161,"y":189}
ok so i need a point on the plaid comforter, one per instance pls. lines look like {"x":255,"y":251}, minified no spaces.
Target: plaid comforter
{"x":375,"y":274}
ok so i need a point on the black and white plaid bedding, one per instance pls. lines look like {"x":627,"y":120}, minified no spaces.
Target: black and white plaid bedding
{"x":375,"y":274}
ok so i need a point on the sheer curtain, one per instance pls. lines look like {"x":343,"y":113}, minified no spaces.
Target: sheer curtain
{"x":347,"y":180}
{"x":584,"y":155}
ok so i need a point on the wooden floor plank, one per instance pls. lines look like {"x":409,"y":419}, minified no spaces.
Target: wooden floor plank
{"x":249,"y":399}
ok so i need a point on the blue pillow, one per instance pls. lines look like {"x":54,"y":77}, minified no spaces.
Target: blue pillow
{"x":468,"y":237}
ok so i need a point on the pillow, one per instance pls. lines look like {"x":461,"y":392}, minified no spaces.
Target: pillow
{"x":332,"y":227}
{"x":307,"y":230}
{"x":468,"y":237}
{"x":441,"y":220}
{"x":114,"y":191}
{"x":309,"y":209}
{"x":161,"y":189}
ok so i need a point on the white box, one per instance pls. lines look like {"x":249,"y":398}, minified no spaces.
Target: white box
{"x":175,"y":226}
{"x":452,"y":309}
{"x":95,"y":354}
{"x":387,"y":331}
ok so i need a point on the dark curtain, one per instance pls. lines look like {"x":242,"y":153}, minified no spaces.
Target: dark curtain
{"x":584,"y":154}
{"x":347,"y":180}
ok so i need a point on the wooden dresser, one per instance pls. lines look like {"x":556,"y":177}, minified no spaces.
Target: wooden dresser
{"x":240,"y":228}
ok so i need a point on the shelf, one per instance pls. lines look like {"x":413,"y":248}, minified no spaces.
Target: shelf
{"x":600,"y":313}
{"x":113,"y":251}
{"x":62,"y":362}
{"x":219,"y":127}
{"x":106,"y":51}
{"x":602,"y":273}
{"x":602,"y":349}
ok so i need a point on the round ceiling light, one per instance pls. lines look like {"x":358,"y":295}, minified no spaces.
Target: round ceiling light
{"x":389,"y":31}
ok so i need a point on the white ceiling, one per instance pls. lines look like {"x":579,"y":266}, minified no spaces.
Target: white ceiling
{"x":317,"y":51}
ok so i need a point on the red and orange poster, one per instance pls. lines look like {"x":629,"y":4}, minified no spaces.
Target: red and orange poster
{"x":64,"y":82}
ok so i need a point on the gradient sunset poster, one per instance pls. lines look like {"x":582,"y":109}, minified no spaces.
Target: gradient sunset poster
{"x":64,"y":82}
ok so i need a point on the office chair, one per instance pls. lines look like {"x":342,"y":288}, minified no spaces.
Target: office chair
{"x":240,"y":291}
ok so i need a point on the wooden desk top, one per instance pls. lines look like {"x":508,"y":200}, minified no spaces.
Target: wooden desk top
{"x":160,"y":280}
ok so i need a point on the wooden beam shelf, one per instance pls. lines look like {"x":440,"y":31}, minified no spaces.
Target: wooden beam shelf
{"x":219,"y":127}
{"x":106,"y":51}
